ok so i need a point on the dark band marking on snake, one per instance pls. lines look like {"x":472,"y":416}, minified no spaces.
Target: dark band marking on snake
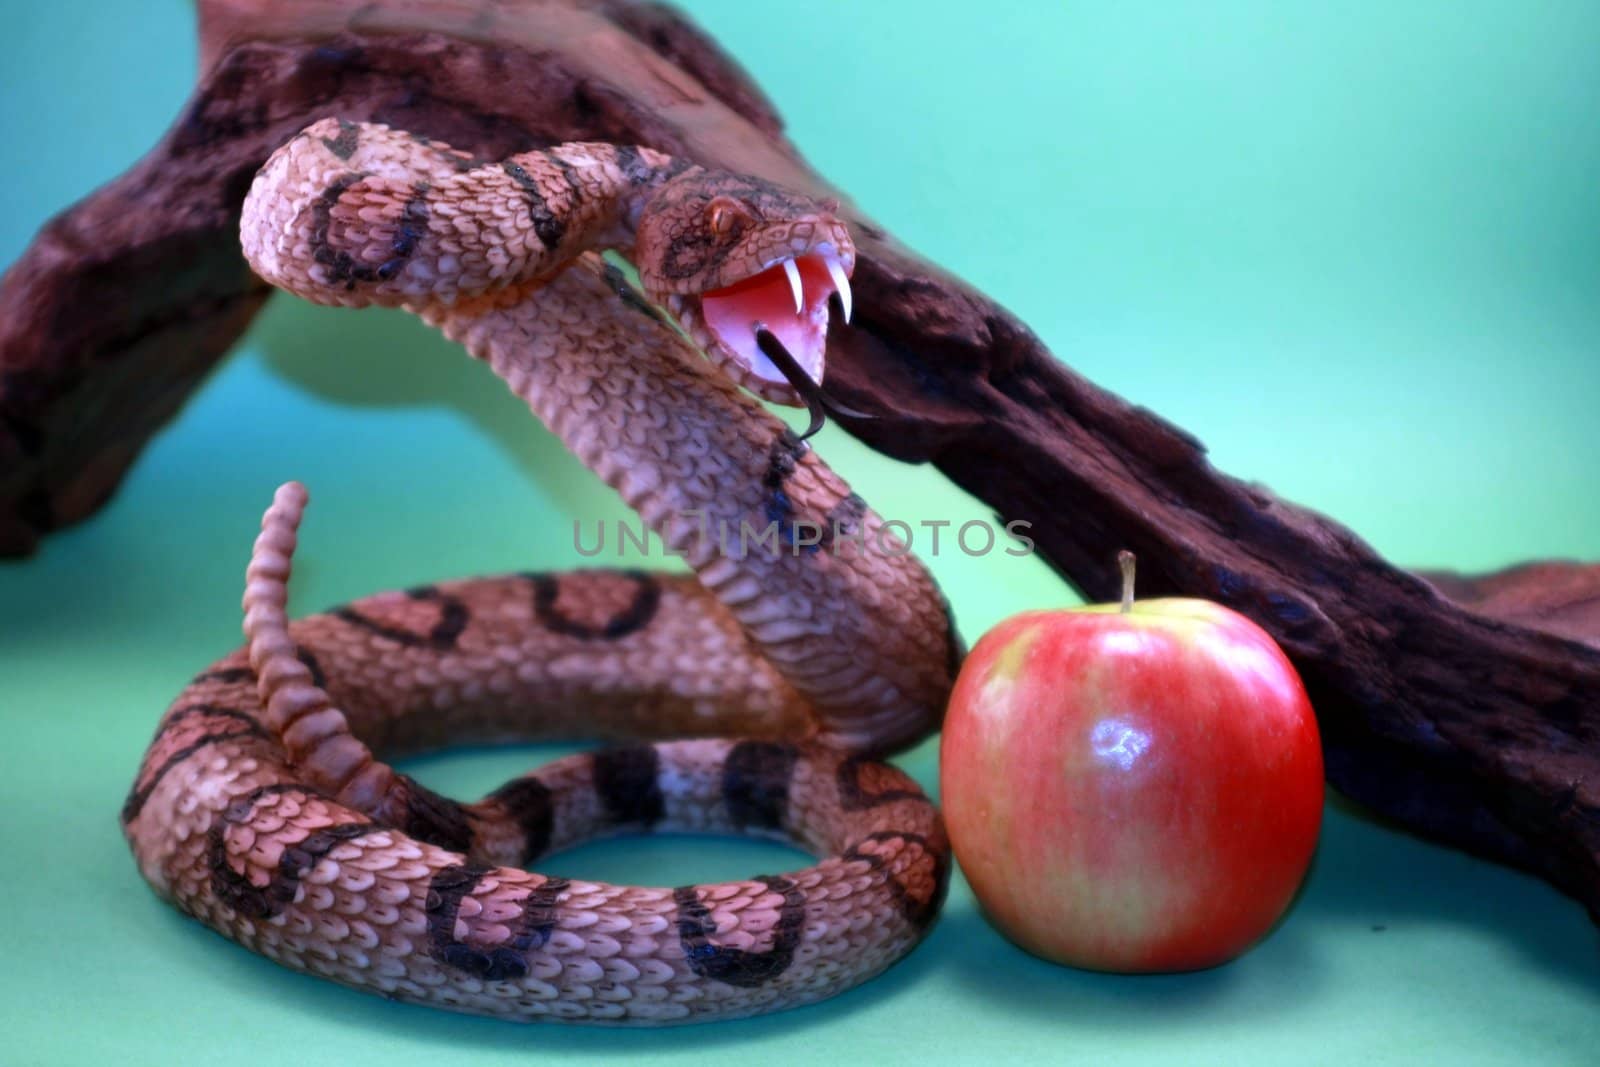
{"x":630,"y":297}
{"x":413,"y":226}
{"x":574,"y":187}
{"x":445,"y":893}
{"x":491,"y":963}
{"x":845,"y":520}
{"x":250,"y":728}
{"x":239,"y":719}
{"x":735,"y":966}
{"x":531,"y":932}
{"x":442,"y":636}
{"x":341,"y":266}
{"x":234,"y":887}
{"x":919,"y":912}
{"x":855,"y":797}
{"x":786,"y":452}
{"x":457,"y":161}
{"x":344,"y":145}
{"x":632,"y":618}
{"x":225,"y":675}
{"x":306,"y":656}
{"x":546,"y":224}
{"x":627,"y":781}
{"x":265,"y":902}
{"x":529,"y":802}
{"x":634,"y":168}
{"x":539,"y":914}
{"x":438,"y":820}
{"x":755,"y":782}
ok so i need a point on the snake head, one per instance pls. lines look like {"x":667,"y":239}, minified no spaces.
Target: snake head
{"x":730,"y":255}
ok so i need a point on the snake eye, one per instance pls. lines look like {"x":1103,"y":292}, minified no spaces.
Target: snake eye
{"x":727,"y":215}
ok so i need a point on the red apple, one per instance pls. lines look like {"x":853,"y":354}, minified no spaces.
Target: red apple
{"x":1133,"y":787}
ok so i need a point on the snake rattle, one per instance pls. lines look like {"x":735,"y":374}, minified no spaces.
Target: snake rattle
{"x":749,"y":694}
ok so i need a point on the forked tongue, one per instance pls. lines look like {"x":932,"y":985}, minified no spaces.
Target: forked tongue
{"x":818,"y":403}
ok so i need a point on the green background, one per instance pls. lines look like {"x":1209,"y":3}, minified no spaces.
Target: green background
{"x":1352,"y":246}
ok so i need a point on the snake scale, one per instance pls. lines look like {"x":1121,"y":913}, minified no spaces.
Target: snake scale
{"x":750,"y":695}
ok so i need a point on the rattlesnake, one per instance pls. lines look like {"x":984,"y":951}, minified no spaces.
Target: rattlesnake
{"x":258,"y":811}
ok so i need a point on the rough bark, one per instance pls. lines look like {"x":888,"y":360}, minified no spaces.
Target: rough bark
{"x":1464,"y":708}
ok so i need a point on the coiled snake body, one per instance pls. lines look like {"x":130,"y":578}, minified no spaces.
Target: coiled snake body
{"x":260,"y":808}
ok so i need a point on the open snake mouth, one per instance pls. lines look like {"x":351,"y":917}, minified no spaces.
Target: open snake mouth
{"x":789,"y":300}
{"x":782,"y":308}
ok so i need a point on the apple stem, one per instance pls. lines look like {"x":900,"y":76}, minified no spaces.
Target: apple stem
{"x":1127,"y":560}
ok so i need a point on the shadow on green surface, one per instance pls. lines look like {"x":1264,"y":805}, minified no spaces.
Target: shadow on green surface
{"x":258,"y":979}
{"x":1368,"y":882}
{"x":389,"y":359}
{"x":1370,"y":876}
{"x":1006,"y":979}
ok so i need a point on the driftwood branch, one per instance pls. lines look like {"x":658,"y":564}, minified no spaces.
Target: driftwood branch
{"x":1465,"y":708}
